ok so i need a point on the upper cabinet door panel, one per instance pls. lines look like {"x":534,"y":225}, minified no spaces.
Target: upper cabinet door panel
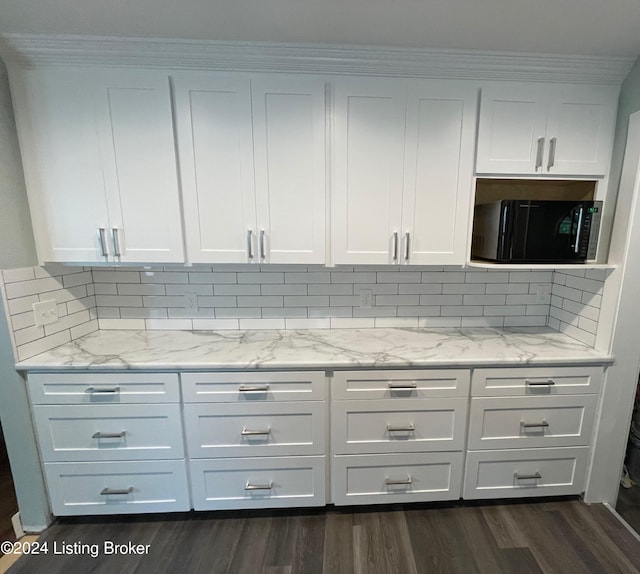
{"x":289,"y":145}
{"x":61,"y":159}
{"x":511,"y":125}
{"x":139,"y":160}
{"x":213,"y":121}
{"x":580,"y":130}
{"x":368,"y":160}
{"x":438,"y":168}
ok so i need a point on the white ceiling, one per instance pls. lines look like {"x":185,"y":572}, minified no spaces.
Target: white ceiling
{"x":589,"y":27}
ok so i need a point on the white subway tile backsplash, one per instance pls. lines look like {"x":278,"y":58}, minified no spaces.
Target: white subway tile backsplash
{"x":398,"y":277}
{"x":507,"y":288}
{"x":120,"y":301}
{"x":74,"y":279}
{"x":64,"y":295}
{"x":461,"y":310}
{"x":137,"y":313}
{"x":589,"y":285}
{"x":566,"y":292}
{"x":283,"y":289}
{"x":504,"y":310}
{"x":24,"y":288}
{"x":105,"y":288}
{"x":260,"y":278}
{"x":348,"y":323}
{"x":581,"y":309}
{"x":67,"y":322}
{"x":379,"y":311}
{"x":306,"y":301}
{"x":418,"y":311}
{"x":206,"y":313}
{"x":211,"y":278}
{"x":537,"y":310}
{"x":531,"y":321}
{"x":17,"y":275}
{"x":226,"y":289}
{"x":592,"y":299}
{"x":34,"y":348}
{"x":588,"y":325}
{"x":315,"y":277}
{"x":23,"y":320}
{"x":23,"y":336}
{"x":284,"y":312}
{"x":443,"y":277}
{"x":307,"y":323}
{"x":182,"y":289}
{"x":329,"y":289}
{"x":353,"y":277}
{"x":344,"y":300}
{"x":521,"y":299}
{"x":262,"y":324}
{"x":483,"y":299}
{"x":215,"y":324}
{"x":553,"y":323}
{"x":164,"y":277}
{"x":79,"y":304}
{"x":116,"y":276}
{"x":22,"y":304}
{"x":140,"y":289}
{"x":238,"y":313}
{"x":259,"y":301}
{"x":168,"y":324}
{"x":380,"y":288}
{"x":597,"y":274}
{"x":482,"y":321}
{"x":330,"y":311}
{"x":418,"y":288}
{"x":492,"y":277}
{"x":563,"y":316}
{"x":397,"y":322}
{"x":397,"y":300}
{"x":464,"y":288}
{"x":530,"y":276}
{"x":439,"y":322}
{"x":84,"y":329}
{"x":578,"y":334}
{"x":440,"y":299}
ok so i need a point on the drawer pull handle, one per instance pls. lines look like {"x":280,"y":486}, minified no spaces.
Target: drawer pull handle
{"x":108,"y":491}
{"x":248,"y":432}
{"x":519,"y":476}
{"x":250,"y":486}
{"x":533,"y":425}
{"x":253,"y":388}
{"x":402,"y":386}
{"x":110,"y":434}
{"x":111,"y":391}
{"x":410,"y":428}
{"x":547,"y":383}
{"x":398,"y":481}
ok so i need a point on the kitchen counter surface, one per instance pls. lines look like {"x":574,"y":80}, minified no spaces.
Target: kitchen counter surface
{"x":321,"y":348}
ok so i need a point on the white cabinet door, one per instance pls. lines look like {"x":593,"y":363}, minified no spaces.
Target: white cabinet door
{"x":511,"y":128}
{"x":366,"y":203}
{"x":215,"y":139}
{"x":580,"y":130}
{"x":136,"y":132}
{"x":438,"y":168}
{"x":289,"y":145}
{"x":62,"y":164}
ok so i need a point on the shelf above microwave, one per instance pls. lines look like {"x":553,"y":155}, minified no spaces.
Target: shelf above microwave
{"x":527,"y":266}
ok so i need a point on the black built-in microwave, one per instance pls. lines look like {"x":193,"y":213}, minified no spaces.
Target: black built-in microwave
{"x":523,"y":231}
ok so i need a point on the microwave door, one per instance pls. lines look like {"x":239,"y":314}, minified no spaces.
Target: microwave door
{"x":551,"y":233}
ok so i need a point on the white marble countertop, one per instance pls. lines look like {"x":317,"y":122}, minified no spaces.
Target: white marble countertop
{"x":321,"y":348}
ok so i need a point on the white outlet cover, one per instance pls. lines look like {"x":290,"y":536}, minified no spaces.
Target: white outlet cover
{"x":45,"y":312}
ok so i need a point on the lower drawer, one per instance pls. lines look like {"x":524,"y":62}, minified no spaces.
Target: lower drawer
{"x":389,"y":478}
{"x":77,"y":488}
{"x":267,"y":482}
{"x":525,"y":472}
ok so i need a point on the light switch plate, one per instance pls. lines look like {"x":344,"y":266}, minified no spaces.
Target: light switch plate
{"x":45,"y":312}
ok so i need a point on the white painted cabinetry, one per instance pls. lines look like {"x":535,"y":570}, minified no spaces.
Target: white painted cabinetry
{"x":540,"y":129}
{"x":99,"y":159}
{"x":252,"y":157}
{"x":402,"y":162}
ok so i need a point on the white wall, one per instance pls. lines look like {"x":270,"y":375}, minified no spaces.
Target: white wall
{"x":17,"y":249}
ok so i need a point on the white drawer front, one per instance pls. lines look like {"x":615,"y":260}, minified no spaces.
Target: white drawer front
{"x":536,"y":381}
{"x":530,"y":422}
{"x":117,"y":487}
{"x":109,"y":432}
{"x":363,"y":427}
{"x":253,"y":387}
{"x":528,"y":472}
{"x":400,"y":384}
{"x":103,"y":388}
{"x":269,"y":482}
{"x":277,"y":429}
{"x":389,"y":478}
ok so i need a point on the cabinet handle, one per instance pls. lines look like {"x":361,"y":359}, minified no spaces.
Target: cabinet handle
{"x":250,"y":243}
{"x":248,"y":432}
{"x":263,"y":254}
{"x":547,"y":383}
{"x":533,"y":425}
{"x":102,"y":238}
{"x":110,"y":434}
{"x":249,"y":486}
{"x":539,"y":153}
{"x":253,"y":388}
{"x":115,"y":237}
{"x":107,"y":491}
{"x":394,"y":481}
{"x":410,"y":428}
{"x":395,"y":246}
{"x":406,"y":246}
{"x":519,"y":476}
{"x":402,"y":386}
{"x":552,"y":153}
{"x":94,"y":391}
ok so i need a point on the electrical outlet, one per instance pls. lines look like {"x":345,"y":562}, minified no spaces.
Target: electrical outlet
{"x":191,"y":301}
{"x":543,"y":294}
{"x":366,"y":299}
{"x":45,"y":312}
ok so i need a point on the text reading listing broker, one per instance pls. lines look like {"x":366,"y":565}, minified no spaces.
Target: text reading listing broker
{"x":63,"y":548}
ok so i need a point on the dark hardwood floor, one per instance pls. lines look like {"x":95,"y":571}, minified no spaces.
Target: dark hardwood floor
{"x":559,"y":536}
{"x":628,"y":506}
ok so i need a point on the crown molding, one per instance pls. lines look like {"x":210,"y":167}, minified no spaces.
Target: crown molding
{"x":32,"y":50}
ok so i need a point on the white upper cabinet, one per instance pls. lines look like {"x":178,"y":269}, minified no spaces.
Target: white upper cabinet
{"x":252,"y":157}
{"x":403,"y":161}
{"x":545,"y":129}
{"x":100,"y":165}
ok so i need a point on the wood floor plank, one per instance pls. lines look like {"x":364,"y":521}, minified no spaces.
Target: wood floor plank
{"x":620,"y":536}
{"x":338,"y":543}
{"x":505,"y":530}
{"x":308,"y":545}
{"x":519,"y":561}
{"x":250,"y":552}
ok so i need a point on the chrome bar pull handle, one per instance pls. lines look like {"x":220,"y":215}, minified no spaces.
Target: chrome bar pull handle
{"x":111,"y":391}
{"x":107,"y":491}
{"x":541,"y":424}
{"x":110,"y":434}
{"x":547,"y":383}
{"x":102,"y":238}
{"x":552,"y":153}
{"x":263,"y":254}
{"x":249,"y":486}
{"x":115,"y":238}
{"x":395,"y":246}
{"x":407,"y":249}
{"x":250,"y":244}
{"x":400,"y":481}
{"x":253,"y":388}
{"x":539,"y":153}
{"x":519,"y":476}
{"x":410,"y":428}
{"x":248,"y":432}
{"x":402,"y":386}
